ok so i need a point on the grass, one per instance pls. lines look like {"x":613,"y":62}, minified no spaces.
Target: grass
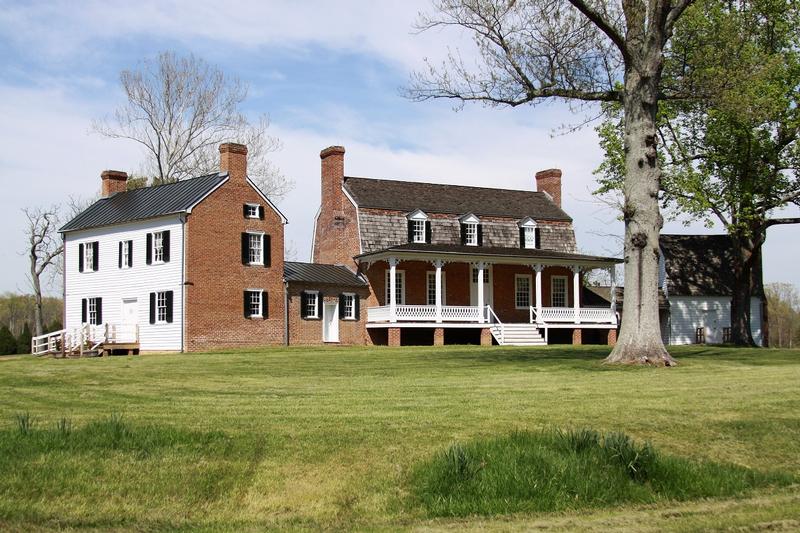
{"x":335,"y":438}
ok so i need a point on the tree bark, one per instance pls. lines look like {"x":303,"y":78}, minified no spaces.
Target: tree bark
{"x":740,"y":297}
{"x":38,"y":327}
{"x":640,"y":335}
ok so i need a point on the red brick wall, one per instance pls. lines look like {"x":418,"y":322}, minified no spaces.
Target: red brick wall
{"x":309,"y":331}
{"x":336,"y":239}
{"x":215,"y":275}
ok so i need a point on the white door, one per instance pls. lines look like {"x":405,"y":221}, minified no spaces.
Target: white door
{"x":330,"y":321}
{"x":488,"y":296}
{"x":130,"y":311}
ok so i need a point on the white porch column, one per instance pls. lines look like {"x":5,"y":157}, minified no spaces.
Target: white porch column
{"x":538,"y":269}
{"x":613,"y":295}
{"x":438,"y":264}
{"x":576,"y":289}
{"x":392,"y":291}
{"x":480,"y":266}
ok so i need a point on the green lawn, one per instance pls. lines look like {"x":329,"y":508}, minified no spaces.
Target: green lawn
{"x":330,"y":438}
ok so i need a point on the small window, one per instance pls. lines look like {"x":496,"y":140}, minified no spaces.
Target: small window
{"x":311,"y":305}
{"x":485,"y":276}
{"x":726,"y":335}
{"x":254,"y":303}
{"x":419,"y":230}
{"x":93,"y":308}
{"x":700,"y":336}
{"x":530,"y":237}
{"x":126,"y":254}
{"x":349,"y":301}
{"x":432,"y":288}
{"x":252,"y":211}
{"x":256,"y":246}
{"x":522,"y":291}
{"x":471,"y":234}
{"x":88,"y":258}
{"x":158,"y":247}
{"x":558,"y":291}
{"x":161,"y":307}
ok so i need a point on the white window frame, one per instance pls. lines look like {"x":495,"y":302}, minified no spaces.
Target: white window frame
{"x":158,"y":247}
{"x":553,"y":292}
{"x":126,"y":257}
{"x":91,"y":311}
{"x":419,"y":230}
{"x":518,"y":292}
{"x":349,"y":299}
{"x":430,"y":291}
{"x":471,"y":233}
{"x":161,"y":307}
{"x":88,"y":257}
{"x":528,"y":226}
{"x":250,"y":302}
{"x":256,"y":207}
{"x":315,"y":294}
{"x":259,"y":237}
{"x":400,"y":281}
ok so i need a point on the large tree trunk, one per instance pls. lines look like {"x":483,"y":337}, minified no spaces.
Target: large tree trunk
{"x":740,"y":298}
{"x":640,"y":335}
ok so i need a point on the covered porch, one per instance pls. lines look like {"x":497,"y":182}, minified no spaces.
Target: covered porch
{"x":497,"y":290}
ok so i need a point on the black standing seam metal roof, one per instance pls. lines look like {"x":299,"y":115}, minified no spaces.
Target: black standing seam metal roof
{"x":144,"y":203}
{"x":320,"y":273}
{"x":453,"y":199}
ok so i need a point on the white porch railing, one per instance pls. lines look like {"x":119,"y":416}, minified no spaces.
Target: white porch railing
{"x":425,"y":313}
{"x":587,"y":315}
{"x":84,"y":337}
{"x":492,"y":318}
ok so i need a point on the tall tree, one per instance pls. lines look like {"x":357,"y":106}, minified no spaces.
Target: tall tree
{"x":179,"y":109}
{"x":589,"y":50}
{"x":43,"y":250}
{"x":784,"y":312}
{"x":732,"y":153}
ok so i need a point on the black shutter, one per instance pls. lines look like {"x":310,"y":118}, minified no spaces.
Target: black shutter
{"x":96,"y":256}
{"x":80,"y":259}
{"x":169,"y":306}
{"x":245,"y":248}
{"x":119,"y":254}
{"x":410,"y":231}
{"x":152,"y":308}
{"x":261,"y":212}
{"x":130,"y":253}
{"x":99,"y":306}
{"x":303,"y":304}
{"x":246,"y":303}
{"x":267,"y":246}
{"x":150,"y":251}
{"x":522,"y":237}
{"x":480,"y":234}
{"x":357,"y":306}
{"x":463,"y":234}
{"x":342,"y":298}
{"x":244,"y":210}
{"x":165,"y":244}
{"x":537,"y":243}
{"x":83,"y":310}
{"x":265,"y":305}
{"x":428,"y":231}
{"x":319,"y":305}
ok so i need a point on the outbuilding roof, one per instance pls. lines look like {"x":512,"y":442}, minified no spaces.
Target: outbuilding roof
{"x":320,"y":273}
{"x":144,"y":203}
{"x":453,"y":199}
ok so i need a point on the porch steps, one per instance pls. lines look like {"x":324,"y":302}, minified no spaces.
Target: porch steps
{"x":518,"y":335}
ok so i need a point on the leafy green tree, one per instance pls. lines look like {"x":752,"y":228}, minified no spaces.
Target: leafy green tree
{"x":8,"y":344}
{"x":731,"y":154}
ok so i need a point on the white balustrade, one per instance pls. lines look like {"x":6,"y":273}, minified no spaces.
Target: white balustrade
{"x":599,"y":315}
{"x":425,"y":313}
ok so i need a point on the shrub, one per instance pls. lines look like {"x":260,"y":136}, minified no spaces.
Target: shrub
{"x":8,"y":344}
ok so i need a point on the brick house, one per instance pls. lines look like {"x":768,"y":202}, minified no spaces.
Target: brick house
{"x":468,"y":264}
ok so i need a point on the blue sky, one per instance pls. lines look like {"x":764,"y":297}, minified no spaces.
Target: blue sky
{"x":326,"y":73}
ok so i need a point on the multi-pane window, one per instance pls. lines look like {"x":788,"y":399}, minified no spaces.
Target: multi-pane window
{"x":158,"y":247}
{"x":432,"y":288}
{"x":251,"y":210}
{"x":349,"y":301}
{"x":311,"y":304}
{"x":485,"y":276}
{"x":125,"y":248}
{"x":88,"y":256}
{"x":92,"y":310}
{"x":522,"y":291}
{"x":419,"y":230}
{"x":161,"y":307}
{"x":558,"y":291}
{"x":256,"y":246}
{"x":254,"y":303}
{"x":530,"y":237}
{"x":399,"y":287}
{"x":471,"y":234}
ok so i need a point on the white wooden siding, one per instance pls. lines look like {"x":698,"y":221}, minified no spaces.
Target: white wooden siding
{"x":113,"y":284}
{"x":687,"y":313}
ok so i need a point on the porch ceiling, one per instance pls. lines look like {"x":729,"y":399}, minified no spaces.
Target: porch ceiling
{"x":512,"y":256}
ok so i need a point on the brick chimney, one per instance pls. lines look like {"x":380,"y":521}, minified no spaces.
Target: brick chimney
{"x":549,"y":181}
{"x":332,"y":178}
{"x":233,"y":160}
{"x":114,"y":181}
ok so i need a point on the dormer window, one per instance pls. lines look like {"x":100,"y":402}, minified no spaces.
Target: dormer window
{"x":471,"y":230}
{"x":419,"y":227}
{"x":528,"y":234}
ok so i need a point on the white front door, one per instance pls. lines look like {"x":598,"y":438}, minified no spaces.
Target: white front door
{"x":330,"y":321}
{"x":130,"y":311}
{"x":488,"y":296}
